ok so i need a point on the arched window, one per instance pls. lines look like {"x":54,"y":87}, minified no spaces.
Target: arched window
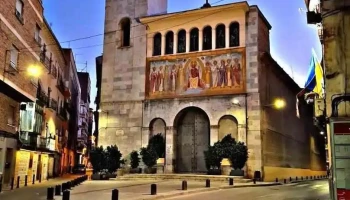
{"x":157,"y":44}
{"x":220,"y":36}
{"x":169,"y":43}
{"x":125,"y":25}
{"x":181,"y":41}
{"x":207,"y":36}
{"x":194,"y":39}
{"x":228,"y":125}
{"x":234,"y":34}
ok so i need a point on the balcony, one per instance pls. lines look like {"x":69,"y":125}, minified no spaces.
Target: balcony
{"x":63,"y":113}
{"x":42,"y":98}
{"x":52,"y":104}
{"x":45,"y":60}
{"x":32,"y":141}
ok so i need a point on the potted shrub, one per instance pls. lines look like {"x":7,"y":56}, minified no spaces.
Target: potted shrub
{"x":239,"y":159}
{"x":135,"y":162}
{"x":213,"y":159}
{"x":149,"y":158}
{"x":113,"y":160}
{"x":157,"y":142}
{"x":227,"y":146}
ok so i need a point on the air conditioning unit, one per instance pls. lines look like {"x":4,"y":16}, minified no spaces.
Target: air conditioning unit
{"x":319,"y":107}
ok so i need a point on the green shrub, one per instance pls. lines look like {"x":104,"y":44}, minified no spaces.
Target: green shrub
{"x":113,"y":158}
{"x":157,"y":142}
{"x":149,"y":156}
{"x":98,"y":159}
{"x":134,"y":159}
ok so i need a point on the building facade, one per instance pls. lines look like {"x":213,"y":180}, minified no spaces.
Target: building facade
{"x":196,"y":76}
{"x":99,"y":61}
{"x":74,"y":102}
{"x":83,"y":132}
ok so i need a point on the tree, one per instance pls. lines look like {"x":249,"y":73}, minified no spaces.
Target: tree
{"x":134,"y":159}
{"x":149,"y":156}
{"x":98,"y":159}
{"x":113,"y":158}
{"x":213,"y":156}
{"x":157,"y":142}
{"x":239,"y":157}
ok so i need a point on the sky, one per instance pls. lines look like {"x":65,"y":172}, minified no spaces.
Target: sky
{"x":291,"y":39}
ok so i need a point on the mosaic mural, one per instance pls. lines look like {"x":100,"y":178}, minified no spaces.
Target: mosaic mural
{"x":201,"y":75}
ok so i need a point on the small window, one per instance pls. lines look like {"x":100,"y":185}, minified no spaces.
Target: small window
{"x":220,"y":36}
{"x":125,"y":25}
{"x":181,"y":41}
{"x":157,"y":44}
{"x":19,"y":10}
{"x":11,"y":116}
{"x":169,"y":43}
{"x":194,"y":39}
{"x":37,"y":34}
{"x":207,"y":38}
{"x":14,"y":57}
{"x":234,"y":34}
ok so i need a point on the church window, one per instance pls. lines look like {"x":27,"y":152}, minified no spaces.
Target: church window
{"x":125,"y":25}
{"x":207,"y":36}
{"x":169,"y":43}
{"x":157,"y":44}
{"x":220,"y":36}
{"x":234,"y":34}
{"x":181,"y":41}
{"x":194,"y":39}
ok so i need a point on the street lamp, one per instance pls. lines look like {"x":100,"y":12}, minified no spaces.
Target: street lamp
{"x":279,"y":104}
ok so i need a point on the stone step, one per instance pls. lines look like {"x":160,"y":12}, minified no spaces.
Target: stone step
{"x":188,"y":177}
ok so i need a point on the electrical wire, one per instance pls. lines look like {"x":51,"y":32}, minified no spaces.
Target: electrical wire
{"x":102,"y":34}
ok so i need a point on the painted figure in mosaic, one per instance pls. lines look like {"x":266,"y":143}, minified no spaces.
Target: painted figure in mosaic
{"x":181,"y":78}
{"x":173,"y":78}
{"x":166,"y":78}
{"x":153,"y":80}
{"x":229,"y":73}
{"x":222,"y":75}
{"x":215,"y":74}
{"x":161,"y":79}
{"x":237,"y":71}
{"x":193,"y":79}
{"x":207,"y":74}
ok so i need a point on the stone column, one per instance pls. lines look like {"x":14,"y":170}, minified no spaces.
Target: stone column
{"x":187,"y":41}
{"x":214,"y":134}
{"x":163,"y":44}
{"x":213,"y":38}
{"x":169,"y":150}
{"x":227,"y":36}
{"x":200,"y":42}
{"x":175,"y":43}
{"x":144,"y":142}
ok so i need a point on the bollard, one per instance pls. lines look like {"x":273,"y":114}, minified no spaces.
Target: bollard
{"x":296,"y":178}
{"x":0,"y":186}
{"x":12,"y":182}
{"x":18,"y":177}
{"x":302,"y":178}
{"x":154,"y":189}
{"x":207,"y":183}
{"x":72,"y":183}
{"x":49,"y":195}
{"x":69,"y":187}
{"x":66,"y":195}
{"x":33,"y":181}
{"x":39,"y":178}
{"x":285,"y":181}
{"x":26,"y":180}
{"x":290,"y":179}
{"x":276,"y":180}
{"x":254,"y":180}
{"x":115,"y":194}
{"x":184,"y":185}
{"x":58,"y":190}
{"x":231,"y":181}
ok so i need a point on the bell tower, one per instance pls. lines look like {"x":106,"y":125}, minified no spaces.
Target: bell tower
{"x":123,"y":72}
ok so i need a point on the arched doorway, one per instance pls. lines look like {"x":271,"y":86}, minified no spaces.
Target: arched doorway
{"x":228,"y":125}
{"x":193,"y":132}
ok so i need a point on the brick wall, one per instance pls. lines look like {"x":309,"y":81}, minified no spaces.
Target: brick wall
{"x":5,"y":113}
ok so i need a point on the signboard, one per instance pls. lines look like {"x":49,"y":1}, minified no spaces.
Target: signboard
{"x":340,"y":145}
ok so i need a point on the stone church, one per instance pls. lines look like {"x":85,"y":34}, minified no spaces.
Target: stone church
{"x":196,"y":76}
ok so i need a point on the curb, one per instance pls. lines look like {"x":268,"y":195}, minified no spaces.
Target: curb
{"x":196,"y":191}
{"x":300,"y":181}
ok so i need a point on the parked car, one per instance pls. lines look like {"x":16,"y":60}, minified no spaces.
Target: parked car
{"x":79,"y":169}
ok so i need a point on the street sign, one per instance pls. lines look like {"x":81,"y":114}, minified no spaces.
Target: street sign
{"x":340,"y":166}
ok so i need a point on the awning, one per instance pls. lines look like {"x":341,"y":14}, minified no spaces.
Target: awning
{"x":11,"y":90}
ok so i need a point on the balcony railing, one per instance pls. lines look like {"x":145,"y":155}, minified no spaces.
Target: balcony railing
{"x":45,"y":60}
{"x":33,"y":141}
{"x":63,"y":113}
{"x":60,"y":84}
{"x":52,"y":104}
{"x":42,"y":97}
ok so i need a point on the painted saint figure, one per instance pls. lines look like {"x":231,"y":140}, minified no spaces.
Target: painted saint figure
{"x":166,"y":78}
{"x":173,"y":78}
{"x":215,"y":74}
{"x":222,"y":75}
{"x":193,"y":79}
{"x":153,"y":80}
{"x":229,"y":73}
{"x":161,"y":79}
{"x":180,"y":78}
{"x":207,"y":74}
{"x":237,"y":71}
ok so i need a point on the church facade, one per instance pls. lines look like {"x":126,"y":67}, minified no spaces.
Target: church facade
{"x":196,"y":76}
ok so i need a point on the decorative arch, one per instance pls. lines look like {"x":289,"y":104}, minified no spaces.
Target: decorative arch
{"x":125,"y":27}
{"x":207,"y":38}
{"x":169,"y":42}
{"x":228,"y":124}
{"x":194,"y":39}
{"x":234,"y":34}
{"x":157,"y":125}
{"x":157,"y":44}
{"x":220,"y":36}
{"x":181,"y":41}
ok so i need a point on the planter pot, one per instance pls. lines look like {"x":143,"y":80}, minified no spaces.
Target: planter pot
{"x":151,"y":170}
{"x":214,"y":172}
{"x":237,"y":172}
{"x":135,"y":171}
{"x":120,"y":172}
{"x":95,"y":177}
{"x":225,"y":167}
{"x":111,"y":175}
{"x":160,"y":161}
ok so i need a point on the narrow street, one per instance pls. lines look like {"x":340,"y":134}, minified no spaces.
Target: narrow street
{"x":313,"y":190}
